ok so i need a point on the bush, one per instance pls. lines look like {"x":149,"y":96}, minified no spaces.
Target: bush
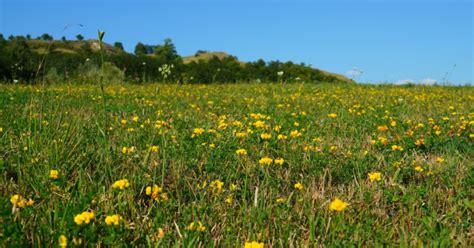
{"x":89,"y":72}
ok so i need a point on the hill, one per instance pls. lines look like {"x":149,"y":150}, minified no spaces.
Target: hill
{"x":67,"y":58}
{"x":206,"y":56}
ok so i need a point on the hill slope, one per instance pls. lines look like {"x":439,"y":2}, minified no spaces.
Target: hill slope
{"x":209,"y":55}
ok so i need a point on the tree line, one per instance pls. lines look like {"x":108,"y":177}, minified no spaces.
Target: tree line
{"x":27,"y":60}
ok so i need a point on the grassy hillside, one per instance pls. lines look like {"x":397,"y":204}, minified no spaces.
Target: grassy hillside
{"x":74,"y":47}
{"x":40,"y":46}
{"x":209,"y":55}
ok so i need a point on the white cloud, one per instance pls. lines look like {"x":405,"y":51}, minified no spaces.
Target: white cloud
{"x":424,"y":81}
{"x":428,"y":81}
{"x":405,"y":81}
{"x":355,"y":72}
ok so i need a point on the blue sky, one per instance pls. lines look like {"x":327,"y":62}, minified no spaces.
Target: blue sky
{"x":419,"y":40}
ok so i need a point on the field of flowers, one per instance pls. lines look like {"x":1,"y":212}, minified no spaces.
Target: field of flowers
{"x":239,"y":165}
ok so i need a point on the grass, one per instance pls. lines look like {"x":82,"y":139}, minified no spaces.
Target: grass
{"x":211,"y":196}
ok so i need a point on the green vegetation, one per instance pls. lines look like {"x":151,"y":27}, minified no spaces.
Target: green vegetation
{"x":222,"y":165}
{"x":28,"y":60}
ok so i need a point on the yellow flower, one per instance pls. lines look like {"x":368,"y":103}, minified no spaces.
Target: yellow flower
{"x":332,"y":115}
{"x":241,"y":152}
{"x":53,"y":174}
{"x":128,"y":150}
{"x":393,"y":123}
{"x":382,"y":140}
{"x":280,"y":200}
{"x":279,"y":161}
{"x":113,"y":219}
{"x":253,"y":244}
{"x":375,"y":176}
{"x":121,"y":184}
{"x":241,"y":135}
{"x":15,"y":199}
{"x":337,"y":205}
{"x":155,"y":192}
{"x":281,"y":137}
{"x":440,"y":159}
{"x":20,"y":201}
{"x":197,"y":131}
{"x":295,"y":134}
{"x":298,"y":186}
{"x":1,"y":129}
{"x":265,"y":136}
{"x":84,"y":218}
{"x":259,"y":124}
{"x":135,"y":118}
{"x":418,"y":168}
{"x":62,"y":241}
{"x":265,"y":161}
{"x":216,"y":186}
{"x":154,"y":148}
{"x":382,"y":128}
{"x":420,"y":142}
{"x":196,"y":226}
{"x":397,"y":148}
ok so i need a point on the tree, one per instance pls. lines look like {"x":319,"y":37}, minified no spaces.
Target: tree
{"x":28,"y":37}
{"x":140,"y":49}
{"x":166,"y":53}
{"x":46,"y":36}
{"x":79,"y":37}
{"x":118,"y":45}
{"x":199,"y":52}
{"x":63,"y":38}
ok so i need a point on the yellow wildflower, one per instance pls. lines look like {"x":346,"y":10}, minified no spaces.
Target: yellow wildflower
{"x":265,"y":161}
{"x":216,"y":186}
{"x":241,"y":152}
{"x":113,"y":219}
{"x":84,"y":218}
{"x":62,"y":241}
{"x":332,"y":115}
{"x":375,"y":176}
{"x":197,"y":131}
{"x":259,"y":124}
{"x":420,"y":142}
{"x":298,"y":186}
{"x":280,"y":200}
{"x":53,"y":174}
{"x":121,"y":184}
{"x":382,"y":128}
{"x":265,"y":136}
{"x":196,"y":226}
{"x":253,"y":244}
{"x":338,"y":205}
{"x":295,"y":134}
{"x":397,"y":148}
{"x":279,"y":161}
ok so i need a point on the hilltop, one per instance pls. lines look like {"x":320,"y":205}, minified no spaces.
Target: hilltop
{"x":67,"y":57}
{"x":206,"y":56}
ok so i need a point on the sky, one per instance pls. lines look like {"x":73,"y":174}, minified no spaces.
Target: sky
{"x":373,"y":41}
